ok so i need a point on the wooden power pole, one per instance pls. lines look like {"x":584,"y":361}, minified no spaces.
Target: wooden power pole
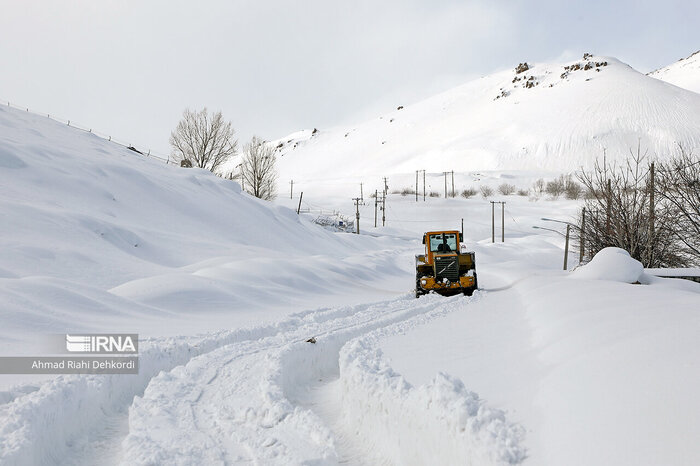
{"x":357,"y":214}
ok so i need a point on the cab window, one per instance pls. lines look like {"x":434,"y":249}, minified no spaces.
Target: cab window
{"x":450,"y":241}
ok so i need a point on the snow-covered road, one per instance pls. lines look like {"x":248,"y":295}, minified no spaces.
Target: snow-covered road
{"x":253,"y":401}
{"x":266,"y":395}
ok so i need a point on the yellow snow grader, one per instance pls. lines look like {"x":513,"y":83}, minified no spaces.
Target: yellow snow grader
{"x":445,"y":268}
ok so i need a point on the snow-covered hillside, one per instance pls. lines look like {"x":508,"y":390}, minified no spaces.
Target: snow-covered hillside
{"x":684,"y":73}
{"x":99,"y":238}
{"x":555,"y":117}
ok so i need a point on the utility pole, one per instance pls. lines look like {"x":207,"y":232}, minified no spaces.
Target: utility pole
{"x":609,"y":209}
{"x":384,"y":209}
{"x":462,"y":227}
{"x":416,"y":185}
{"x":299,"y":208}
{"x":566,"y":247}
{"x":386,"y":186}
{"x":493,"y":222}
{"x":291,"y":189}
{"x":453,"y":183}
{"x":583,"y":236}
{"x":503,"y":222}
{"x":376,"y":203}
{"x":362,"y":197}
{"x":423,"y":185}
{"x":650,"y":240}
{"x":445,"y":173}
{"x":357,"y":214}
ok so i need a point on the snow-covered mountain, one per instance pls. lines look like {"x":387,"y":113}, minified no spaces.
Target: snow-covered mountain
{"x":684,"y":73}
{"x":556,"y":117}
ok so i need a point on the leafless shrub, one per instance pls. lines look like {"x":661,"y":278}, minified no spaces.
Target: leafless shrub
{"x":538,"y":187}
{"x":678,"y":188}
{"x":523,"y":192}
{"x":556,"y":187}
{"x":207,"y":141}
{"x":469,"y":192}
{"x":434,"y":194}
{"x":572,"y":190}
{"x":258,"y":171}
{"x":619,"y":214}
{"x":407,"y":191}
{"x":506,"y":189}
{"x":486,"y":191}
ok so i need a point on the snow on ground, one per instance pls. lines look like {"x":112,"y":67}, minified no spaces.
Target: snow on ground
{"x":597,"y":371}
{"x":268,"y":339}
{"x":684,"y":73}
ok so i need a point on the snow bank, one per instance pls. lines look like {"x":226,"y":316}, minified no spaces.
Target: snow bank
{"x":612,"y":264}
{"x":438,"y":423}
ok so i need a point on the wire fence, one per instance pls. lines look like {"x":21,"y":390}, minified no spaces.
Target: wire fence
{"x":88,"y":129}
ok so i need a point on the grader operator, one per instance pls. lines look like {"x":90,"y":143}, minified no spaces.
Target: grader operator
{"x":445,"y":268}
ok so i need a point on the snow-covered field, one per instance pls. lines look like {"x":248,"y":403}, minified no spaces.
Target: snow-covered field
{"x":267,"y":339}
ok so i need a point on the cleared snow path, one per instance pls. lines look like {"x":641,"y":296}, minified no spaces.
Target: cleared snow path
{"x":266,"y":395}
{"x":248,"y":402}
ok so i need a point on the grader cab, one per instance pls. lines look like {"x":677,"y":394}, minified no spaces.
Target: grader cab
{"x":445,"y":268}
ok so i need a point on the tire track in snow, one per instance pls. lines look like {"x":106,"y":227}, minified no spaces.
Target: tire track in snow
{"x":83,"y":418}
{"x":248,"y":402}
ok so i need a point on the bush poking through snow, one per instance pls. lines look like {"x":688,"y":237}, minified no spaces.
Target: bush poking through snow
{"x":555,"y":188}
{"x":469,"y":192}
{"x":486,"y":191}
{"x":506,"y":189}
{"x":434,"y":194}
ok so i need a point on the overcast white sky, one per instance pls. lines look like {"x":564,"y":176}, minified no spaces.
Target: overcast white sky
{"x":129,"y":68}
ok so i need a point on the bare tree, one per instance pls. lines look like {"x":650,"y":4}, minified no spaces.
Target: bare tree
{"x":258,"y":171}
{"x":678,"y":187}
{"x":619,"y":213}
{"x":207,"y":141}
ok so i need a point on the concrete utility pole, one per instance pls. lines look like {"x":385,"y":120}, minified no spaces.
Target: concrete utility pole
{"x":609,"y":209}
{"x":384,"y":210}
{"x":650,"y":240}
{"x":291,"y":189}
{"x":453,"y":183}
{"x":357,"y":214}
{"x":566,"y":247}
{"x":376,"y":203}
{"x":423,"y":185}
{"x":361,"y":194}
{"x":417,"y":185}
{"x":503,"y":222}
{"x":386,"y":186}
{"x":445,"y":173}
{"x":582,"y":246}
{"x":299,"y":208}
{"x":493,"y":221}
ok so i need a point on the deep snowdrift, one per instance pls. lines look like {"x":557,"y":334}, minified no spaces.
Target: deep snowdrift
{"x":554,"y":117}
{"x":99,"y":238}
